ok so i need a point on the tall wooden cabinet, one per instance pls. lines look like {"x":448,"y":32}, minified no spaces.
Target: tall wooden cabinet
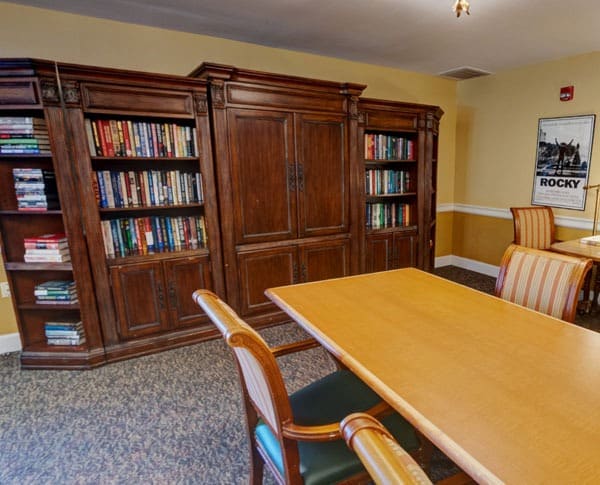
{"x":397,"y":184}
{"x":284,"y":154}
{"x":228,"y":179}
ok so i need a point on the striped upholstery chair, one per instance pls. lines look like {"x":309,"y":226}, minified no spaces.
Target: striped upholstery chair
{"x":542,"y":280}
{"x":298,"y":436}
{"x":534,"y":226}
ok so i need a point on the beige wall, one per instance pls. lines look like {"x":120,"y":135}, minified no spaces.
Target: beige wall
{"x":33,"y":32}
{"x":496,"y":139}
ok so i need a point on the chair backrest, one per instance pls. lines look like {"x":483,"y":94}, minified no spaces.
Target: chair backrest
{"x":385,"y":460}
{"x":542,"y":280}
{"x":260,"y":376}
{"x":533,"y":226}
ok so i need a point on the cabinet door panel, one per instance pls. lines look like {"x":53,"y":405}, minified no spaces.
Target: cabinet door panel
{"x":183,"y":277}
{"x":405,"y":251}
{"x":263,"y":269}
{"x":379,"y":252}
{"x":140,"y":299}
{"x":323,"y":260}
{"x":323,"y":186}
{"x":263,"y":173}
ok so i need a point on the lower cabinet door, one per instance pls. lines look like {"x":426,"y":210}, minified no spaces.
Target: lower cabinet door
{"x":140,"y":299}
{"x":405,"y":250}
{"x":262,"y":269}
{"x":379,"y":252}
{"x":183,"y":277}
{"x":390,"y":250}
{"x":324,"y":260}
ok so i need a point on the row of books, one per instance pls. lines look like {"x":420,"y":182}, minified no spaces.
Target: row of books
{"x":388,"y":147}
{"x":21,"y":135}
{"x":384,"y":215}
{"x":47,"y":248}
{"x":35,"y":189}
{"x":155,"y":234}
{"x":64,"y":333}
{"x":56,"y":292}
{"x":381,"y":182}
{"x":126,"y":138}
{"x":148,"y":188}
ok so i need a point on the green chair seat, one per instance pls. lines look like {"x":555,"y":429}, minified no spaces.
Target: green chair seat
{"x":329,"y":400}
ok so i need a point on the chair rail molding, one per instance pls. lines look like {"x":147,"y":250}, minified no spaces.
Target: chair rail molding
{"x":562,"y":221}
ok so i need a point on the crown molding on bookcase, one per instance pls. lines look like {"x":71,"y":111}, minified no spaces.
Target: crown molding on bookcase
{"x":10,"y":342}
{"x":562,"y":221}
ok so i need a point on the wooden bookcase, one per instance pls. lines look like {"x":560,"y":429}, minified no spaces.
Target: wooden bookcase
{"x":29,"y":89}
{"x":278,"y":171}
{"x":284,"y":152}
{"x":144,"y":293}
{"x":397,"y":184}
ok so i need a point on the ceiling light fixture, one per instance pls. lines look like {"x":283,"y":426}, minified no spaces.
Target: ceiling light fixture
{"x":461,"y":6}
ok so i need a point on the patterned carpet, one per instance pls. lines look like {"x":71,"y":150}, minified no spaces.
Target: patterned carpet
{"x":169,"y":418}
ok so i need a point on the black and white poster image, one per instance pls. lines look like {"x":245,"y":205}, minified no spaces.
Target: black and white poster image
{"x":562,"y":163}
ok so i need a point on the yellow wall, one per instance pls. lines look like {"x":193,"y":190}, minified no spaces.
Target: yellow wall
{"x":496,"y":136}
{"x":33,"y":32}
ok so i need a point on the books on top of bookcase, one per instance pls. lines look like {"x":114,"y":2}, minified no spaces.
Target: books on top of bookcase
{"x":35,"y":189}
{"x":22,"y":135}
{"x":47,"y":248}
{"x":64,"y":333}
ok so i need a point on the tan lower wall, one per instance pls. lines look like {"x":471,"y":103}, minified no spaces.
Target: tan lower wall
{"x":485,"y":238}
{"x":443,"y":236}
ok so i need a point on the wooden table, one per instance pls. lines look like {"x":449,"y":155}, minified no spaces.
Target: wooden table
{"x":575,"y":247}
{"x":509,"y":394}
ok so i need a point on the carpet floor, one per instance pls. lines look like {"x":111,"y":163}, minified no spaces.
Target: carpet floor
{"x":169,"y":418}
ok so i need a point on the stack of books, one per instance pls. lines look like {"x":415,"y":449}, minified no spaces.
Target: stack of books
{"x":64,"y":333}
{"x":35,"y":189}
{"x":56,"y":292}
{"x":23,"y":135}
{"x":47,"y":248}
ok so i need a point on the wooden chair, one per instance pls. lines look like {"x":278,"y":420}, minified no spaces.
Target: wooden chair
{"x":533,"y":226}
{"x":298,"y":436}
{"x":385,"y":460}
{"x":542,"y":280}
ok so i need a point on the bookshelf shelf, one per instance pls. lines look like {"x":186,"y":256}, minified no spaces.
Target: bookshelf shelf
{"x":19,"y":266}
{"x":152,"y":208}
{"x":40,"y":307}
{"x":31,"y":213}
{"x":166,"y":255}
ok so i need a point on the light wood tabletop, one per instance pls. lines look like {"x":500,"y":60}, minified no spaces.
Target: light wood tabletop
{"x":509,"y":394}
{"x":575,"y":247}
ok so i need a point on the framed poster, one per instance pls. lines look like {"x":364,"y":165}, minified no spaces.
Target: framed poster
{"x":562,"y":162}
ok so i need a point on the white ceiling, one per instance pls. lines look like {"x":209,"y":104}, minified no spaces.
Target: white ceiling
{"x":416,"y":35}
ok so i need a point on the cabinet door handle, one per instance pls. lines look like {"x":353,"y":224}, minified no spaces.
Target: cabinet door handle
{"x":161,"y":296}
{"x":303,"y":271}
{"x":172,"y":295}
{"x":301,"y":177}
{"x":291,"y":176}
{"x":295,"y":273}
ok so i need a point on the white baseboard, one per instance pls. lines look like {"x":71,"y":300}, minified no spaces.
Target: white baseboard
{"x":470,"y":264}
{"x":10,"y":343}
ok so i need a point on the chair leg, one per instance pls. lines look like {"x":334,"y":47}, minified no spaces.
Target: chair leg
{"x":257,"y":466}
{"x":424,"y":454}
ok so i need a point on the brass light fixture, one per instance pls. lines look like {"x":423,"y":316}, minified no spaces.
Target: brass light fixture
{"x":461,"y":6}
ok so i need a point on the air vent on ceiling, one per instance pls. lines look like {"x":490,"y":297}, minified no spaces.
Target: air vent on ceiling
{"x":462,"y":73}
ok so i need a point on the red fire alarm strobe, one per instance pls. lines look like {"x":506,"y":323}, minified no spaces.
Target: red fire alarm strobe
{"x":566,"y":93}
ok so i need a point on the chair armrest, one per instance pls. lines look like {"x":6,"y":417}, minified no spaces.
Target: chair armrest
{"x":295,"y":347}
{"x":328,"y":432}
